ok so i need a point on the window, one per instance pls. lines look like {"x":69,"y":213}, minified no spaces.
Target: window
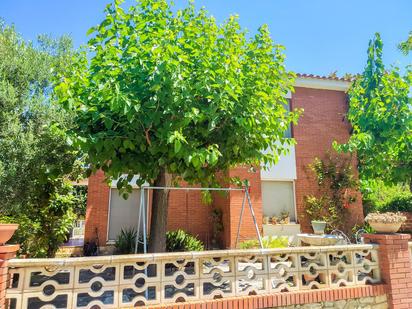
{"x":278,"y":196}
{"x":123,"y":213}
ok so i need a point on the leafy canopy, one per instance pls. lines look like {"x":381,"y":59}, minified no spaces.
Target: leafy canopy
{"x":176,"y":92}
{"x":381,"y":116}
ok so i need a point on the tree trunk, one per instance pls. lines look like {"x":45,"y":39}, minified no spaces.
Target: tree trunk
{"x":158,"y":221}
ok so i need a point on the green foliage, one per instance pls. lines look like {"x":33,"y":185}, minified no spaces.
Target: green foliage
{"x":335,"y":180}
{"x":399,"y":203}
{"x":380,"y":197}
{"x":179,"y":240}
{"x":43,"y":229}
{"x":316,"y":208}
{"x":406,"y":46}
{"x":268,"y":242}
{"x":380,"y":113}
{"x":34,"y":154}
{"x":126,"y":241}
{"x":80,"y":203}
{"x":176,"y":92}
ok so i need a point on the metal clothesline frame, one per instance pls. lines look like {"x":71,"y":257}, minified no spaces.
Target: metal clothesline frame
{"x":144,"y":207}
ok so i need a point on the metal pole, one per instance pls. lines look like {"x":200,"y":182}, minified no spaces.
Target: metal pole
{"x":144,"y":222}
{"x":254,"y":218}
{"x":146,"y":293}
{"x":195,"y":189}
{"x":138,"y":222}
{"x":240,"y":220}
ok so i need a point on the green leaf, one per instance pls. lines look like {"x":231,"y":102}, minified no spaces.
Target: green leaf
{"x":177,"y":146}
{"x":108,"y":123}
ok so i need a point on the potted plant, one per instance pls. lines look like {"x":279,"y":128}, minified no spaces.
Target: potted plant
{"x":284,"y":217}
{"x":318,"y":226}
{"x":387,"y":222}
{"x":7,"y":230}
{"x":316,"y":210}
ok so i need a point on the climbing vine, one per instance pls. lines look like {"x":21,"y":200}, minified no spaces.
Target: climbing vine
{"x":336,"y":184}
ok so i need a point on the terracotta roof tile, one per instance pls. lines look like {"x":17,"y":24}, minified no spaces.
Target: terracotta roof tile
{"x":303,"y":75}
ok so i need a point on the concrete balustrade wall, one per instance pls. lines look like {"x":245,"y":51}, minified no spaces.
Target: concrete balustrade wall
{"x":373,"y":275}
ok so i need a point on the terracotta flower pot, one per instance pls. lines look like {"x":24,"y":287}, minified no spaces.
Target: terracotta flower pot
{"x":6,"y":231}
{"x":381,"y":227}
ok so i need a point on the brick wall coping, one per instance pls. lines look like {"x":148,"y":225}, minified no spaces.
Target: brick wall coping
{"x":282,"y":299}
{"x":181,"y":255}
{"x":394,"y":236}
{"x":9,"y":248}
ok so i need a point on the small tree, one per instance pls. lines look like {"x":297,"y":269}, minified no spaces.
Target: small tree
{"x":381,"y":117}
{"x":176,"y":96}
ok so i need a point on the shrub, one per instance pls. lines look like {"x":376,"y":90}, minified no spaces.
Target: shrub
{"x":379,"y":197}
{"x":179,"y":240}
{"x":42,"y":229}
{"x":402,"y":202}
{"x":126,"y":241}
{"x":268,"y":243}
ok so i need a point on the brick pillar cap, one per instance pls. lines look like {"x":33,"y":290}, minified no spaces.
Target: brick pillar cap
{"x":392,"y":236}
{"x":9,"y":248}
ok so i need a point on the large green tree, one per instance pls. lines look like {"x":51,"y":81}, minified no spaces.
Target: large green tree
{"x":172,"y":96}
{"x":381,"y":115}
{"x":34,"y":155}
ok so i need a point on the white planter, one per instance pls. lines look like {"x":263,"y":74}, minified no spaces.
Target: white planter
{"x":318,"y":227}
{"x":381,"y":227}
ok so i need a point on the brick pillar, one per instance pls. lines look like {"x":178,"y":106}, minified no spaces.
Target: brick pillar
{"x":97,"y":210}
{"x":7,"y":252}
{"x":395,"y":266}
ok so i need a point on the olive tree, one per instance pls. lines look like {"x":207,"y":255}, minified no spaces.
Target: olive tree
{"x":172,"y":95}
{"x":36,"y":163}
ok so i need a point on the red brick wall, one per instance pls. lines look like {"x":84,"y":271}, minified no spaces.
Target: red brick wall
{"x":322,"y":122}
{"x":286,"y":300}
{"x":187,"y":212}
{"x":247,"y":227}
{"x":97,"y":210}
{"x":395,"y":267}
{"x":221,"y":200}
{"x":7,"y":252}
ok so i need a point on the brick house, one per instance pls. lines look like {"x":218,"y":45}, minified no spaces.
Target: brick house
{"x":281,"y":188}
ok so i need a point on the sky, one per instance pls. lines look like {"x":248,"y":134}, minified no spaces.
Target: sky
{"x":320,"y":36}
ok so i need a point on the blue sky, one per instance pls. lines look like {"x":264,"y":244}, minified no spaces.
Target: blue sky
{"x":320,"y":36}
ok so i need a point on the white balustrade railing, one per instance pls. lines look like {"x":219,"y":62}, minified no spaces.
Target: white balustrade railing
{"x":125,"y":281}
